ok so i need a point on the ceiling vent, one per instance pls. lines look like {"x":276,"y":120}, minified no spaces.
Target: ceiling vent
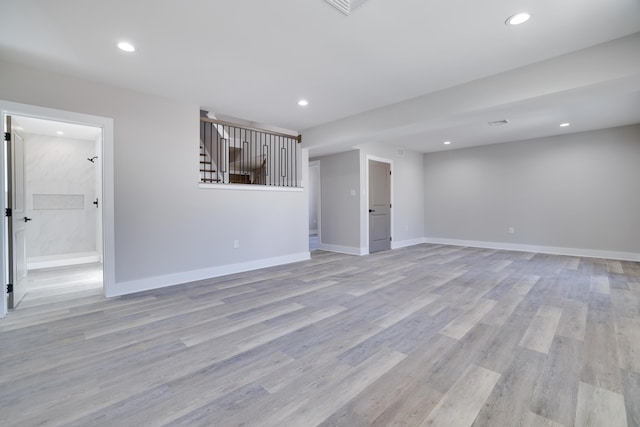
{"x":345,"y":6}
{"x":499,"y":123}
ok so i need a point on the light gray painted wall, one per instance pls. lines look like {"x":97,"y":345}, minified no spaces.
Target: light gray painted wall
{"x":59,"y":166}
{"x":164,"y":223}
{"x":340,"y":176}
{"x":408,"y":192}
{"x":572,"y":191}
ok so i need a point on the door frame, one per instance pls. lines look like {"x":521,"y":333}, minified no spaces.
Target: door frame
{"x":316,"y":164}
{"x":365,"y":209}
{"x":108,"y":229}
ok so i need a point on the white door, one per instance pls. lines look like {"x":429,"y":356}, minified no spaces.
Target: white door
{"x":18,"y":219}
{"x":379,"y":206}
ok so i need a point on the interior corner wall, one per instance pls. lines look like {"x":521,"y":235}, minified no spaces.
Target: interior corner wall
{"x":577,"y":193}
{"x":408,"y":193}
{"x":340,"y":202}
{"x":167,"y":230}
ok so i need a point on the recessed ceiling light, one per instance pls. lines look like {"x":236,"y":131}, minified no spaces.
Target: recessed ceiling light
{"x":447,"y":142}
{"x":303,"y":103}
{"x":126,"y":46}
{"x":518,"y":18}
{"x":564,"y":125}
{"x":59,"y":132}
{"x":345,"y":6}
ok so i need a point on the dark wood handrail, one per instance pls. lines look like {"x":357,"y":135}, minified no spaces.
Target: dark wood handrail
{"x":236,"y":125}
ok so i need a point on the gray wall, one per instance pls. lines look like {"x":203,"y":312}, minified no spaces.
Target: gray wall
{"x":345,"y":217}
{"x":165,"y":224}
{"x":58,"y":166}
{"x":340,"y":176}
{"x":572,"y":191}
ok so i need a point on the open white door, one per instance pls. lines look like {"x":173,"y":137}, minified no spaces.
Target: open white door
{"x":17,"y":220}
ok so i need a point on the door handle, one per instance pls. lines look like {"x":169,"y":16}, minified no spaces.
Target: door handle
{"x":371,"y":210}
{"x":27,"y":219}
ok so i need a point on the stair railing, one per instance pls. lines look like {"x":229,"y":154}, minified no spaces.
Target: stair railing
{"x":235,"y":154}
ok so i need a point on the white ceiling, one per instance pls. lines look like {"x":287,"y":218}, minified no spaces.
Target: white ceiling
{"x":254,"y":59}
{"x":30,"y":125}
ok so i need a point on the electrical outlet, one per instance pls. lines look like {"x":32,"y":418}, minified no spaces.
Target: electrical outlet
{"x":511,"y":230}
{"x":236,"y":244}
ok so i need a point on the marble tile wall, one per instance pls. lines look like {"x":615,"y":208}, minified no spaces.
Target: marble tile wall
{"x":58,"y":165}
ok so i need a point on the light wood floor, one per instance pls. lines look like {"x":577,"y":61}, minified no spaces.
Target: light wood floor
{"x":62,"y":284}
{"x":428,"y":335}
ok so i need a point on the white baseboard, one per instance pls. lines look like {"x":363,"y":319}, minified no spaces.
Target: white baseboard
{"x":405,"y":243}
{"x":577,"y":252}
{"x":149,"y":283}
{"x":64,"y":260}
{"x":349,"y":250}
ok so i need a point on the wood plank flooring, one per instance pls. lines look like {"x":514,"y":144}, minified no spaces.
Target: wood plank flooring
{"x":424,"y":336}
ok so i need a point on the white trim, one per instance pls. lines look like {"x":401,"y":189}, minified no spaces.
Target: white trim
{"x":406,"y":243}
{"x":36,"y":263}
{"x":313,"y":232}
{"x":109,"y":269}
{"x":157,"y":282}
{"x":365,"y":210}
{"x":553,"y":250}
{"x":349,"y":250}
{"x":249,"y":187}
{"x":3,"y":240}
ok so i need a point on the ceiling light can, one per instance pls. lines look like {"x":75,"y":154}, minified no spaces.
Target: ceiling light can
{"x":518,"y":18}
{"x":126,"y":46}
{"x":303,"y":103}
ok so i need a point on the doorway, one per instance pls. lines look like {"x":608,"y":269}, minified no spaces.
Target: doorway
{"x":56,"y":183}
{"x":65,"y":202}
{"x":315,"y":190}
{"x":379,"y":196}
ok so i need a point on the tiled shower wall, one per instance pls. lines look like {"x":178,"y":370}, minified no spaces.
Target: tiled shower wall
{"x":60,"y":186}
